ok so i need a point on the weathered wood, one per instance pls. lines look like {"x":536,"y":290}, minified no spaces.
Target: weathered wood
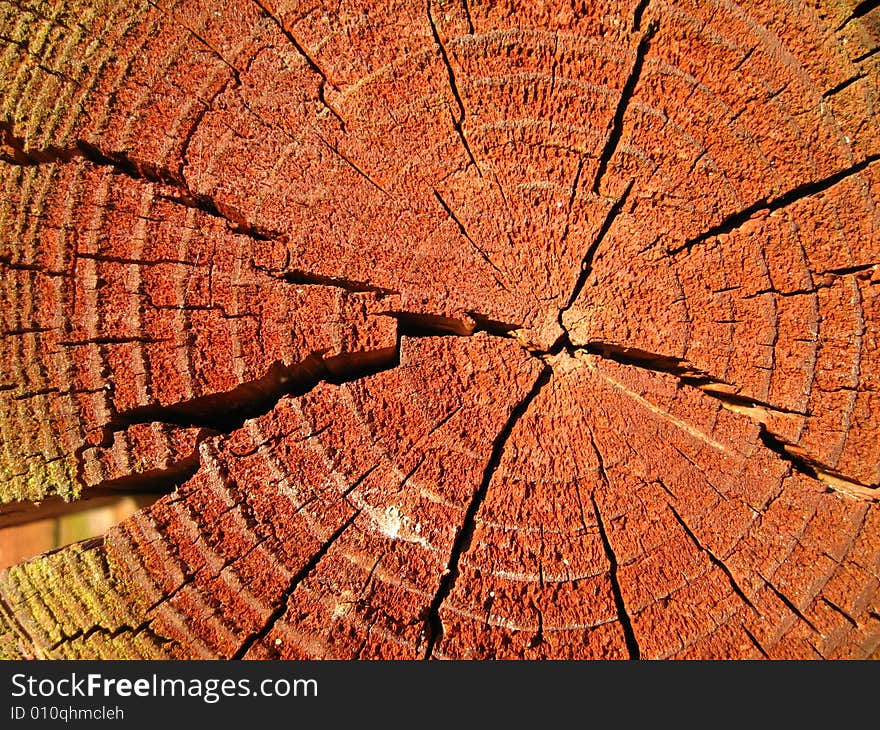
{"x":445,"y":329}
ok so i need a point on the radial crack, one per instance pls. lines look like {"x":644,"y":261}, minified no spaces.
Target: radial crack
{"x":735,"y":220}
{"x":228,"y":410}
{"x":467,"y":15}
{"x":632,"y":643}
{"x":123,"y":163}
{"x":713,"y":558}
{"x":298,"y":578}
{"x":837,"y":609}
{"x":307,"y":278}
{"x":803,"y":464}
{"x":752,"y":408}
{"x":84,"y":634}
{"x":790,"y":605}
{"x":866,"y":55}
{"x":587,"y":261}
{"x":417,"y":324}
{"x":843,"y":85}
{"x":571,"y":198}
{"x":195,"y":34}
{"x":638,"y":13}
{"x":626,"y":95}
{"x":223,"y":412}
{"x":685,"y":372}
{"x":859,"y":11}
{"x":310,"y":62}
{"x":480,"y":252}
{"x":462,"y":541}
{"x":457,"y":122}
{"x":348,"y":161}
{"x":856,"y":269}
{"x":756,"y":643}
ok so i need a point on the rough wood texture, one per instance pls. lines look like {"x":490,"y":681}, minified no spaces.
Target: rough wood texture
{"x":445,"y":328}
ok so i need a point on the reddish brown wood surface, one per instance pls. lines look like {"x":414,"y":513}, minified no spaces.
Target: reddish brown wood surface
{"x":443,"y":330}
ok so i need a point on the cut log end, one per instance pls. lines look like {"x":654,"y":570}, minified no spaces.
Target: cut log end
{"x":442,"y":330}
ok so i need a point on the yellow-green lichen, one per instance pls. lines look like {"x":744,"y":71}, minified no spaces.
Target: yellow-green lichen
{"x":67,"y":604}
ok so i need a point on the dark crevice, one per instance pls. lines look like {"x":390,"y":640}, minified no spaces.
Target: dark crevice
{"x":709,"y":387}
{"x":457,"y":122}
{"x":350,"y":366}
{"x":85,"y":634}
{"x":718,"y":390}
{"x":837,"y":609}
{"x":739,"y":64}
{"x":298,"y":578}
{"x":859,"y":11}
{"x":235,"y":219}
{"x":538,"y":638}
{"x":781,"y":449}
{"x":734,"y":221}
{"x":109,"y":258}
{"x":467,"y":15}
{"x":790,"y":605}
{"x":224,"y":412}
{"x":480,"y":252}
{"x":648,"y":361}
{"x":7,"y":263}
{"x":846,"y":270}
{"x":124,"y":164}
{"x":357,"y":482}
{"x":348,"y":161}
{"x":227,"y":411}
{"x":632,"y":643}
{"x":571,"y":198}
{"x":492,"y":326}
{"x":756,"y":643}
{"x":843,"y":85}
{"x":685,"y":372}
{"x":413,"y":324}
{"x":564,"y":343}
{"x":310,"y":62}
{"x":90,"y":543}
{"x":14,"y":153}
{"x":18,"y":331}
{"x":638,"y":14}
{"x":805,"y":465}
{"x":587,"y":262}
{"x":713,"y":558}
{"x":462,"y":541}
{"x":865,"y":56}
{"x":305,"y":278}
{"x":180,"y":21}
{"x":234,"y":82}
{"x":626,"y":95}
{"x":792,"y":293}
{"x":157,"y":481}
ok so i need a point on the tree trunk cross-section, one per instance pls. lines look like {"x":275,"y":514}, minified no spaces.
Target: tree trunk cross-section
{"x":444,"y":328}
